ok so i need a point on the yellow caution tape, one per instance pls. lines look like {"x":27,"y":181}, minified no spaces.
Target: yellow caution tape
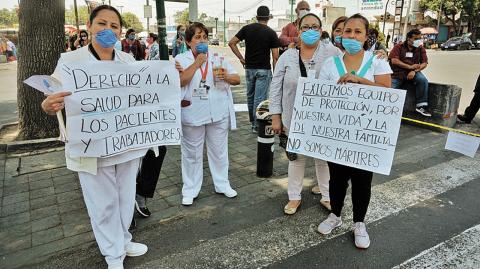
{"x":440,"y":127}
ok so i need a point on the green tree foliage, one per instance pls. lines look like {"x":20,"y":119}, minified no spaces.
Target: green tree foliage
{"x":467,"y":10}
{"x":8,"y":18}
{"x":132,"y":21}
{"x":82,"y":15}
{"x":181,"y":17}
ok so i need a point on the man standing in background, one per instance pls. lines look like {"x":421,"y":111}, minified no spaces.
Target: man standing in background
{"x":260,"y":40}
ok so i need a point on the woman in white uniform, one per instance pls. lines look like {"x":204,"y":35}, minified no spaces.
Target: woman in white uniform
{"x":305,"y":61}
{"x":108,"y":184}
{"x":359,"y":66}
{"x":207,"y":114}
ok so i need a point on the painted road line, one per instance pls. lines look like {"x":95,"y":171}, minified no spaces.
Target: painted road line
{"x":284,"y":237}
{"x":461,"y":251}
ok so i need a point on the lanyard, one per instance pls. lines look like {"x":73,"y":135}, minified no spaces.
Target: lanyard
{"x":95,"y":54}
{"x":204,"y":72}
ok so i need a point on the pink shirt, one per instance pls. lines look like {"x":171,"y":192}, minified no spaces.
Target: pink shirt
{"x":289,"y":34}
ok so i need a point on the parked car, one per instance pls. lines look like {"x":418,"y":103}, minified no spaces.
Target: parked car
{"x":457,"y":43}
{"x":214,"y":41}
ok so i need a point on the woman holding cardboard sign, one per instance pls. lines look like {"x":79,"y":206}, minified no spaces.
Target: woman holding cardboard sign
{"x":207,"y":113}
{"x":306,"y":62}
{"x":108,"y":184}
{"x":356,"y":65}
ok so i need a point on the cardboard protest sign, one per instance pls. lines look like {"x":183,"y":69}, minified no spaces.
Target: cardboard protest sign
{"x":349,"y":124}
{"x":117,"y":107}
{"x":461,"y":143}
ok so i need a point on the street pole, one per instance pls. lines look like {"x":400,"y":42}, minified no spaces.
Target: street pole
{"x":404,"y":34}
{"x":439,"y":17}
{"x":385,"y":17}
{"x":239,"y":21}
{"x":109,"y":2}
{"x":224,"y":25}
{"x":162,"y":29}
{"x":76,"y":17}
{"x":216,"y":27}
{"x":148,"y":20}
{"x":121,"y":9}
{"x":291,"y":10}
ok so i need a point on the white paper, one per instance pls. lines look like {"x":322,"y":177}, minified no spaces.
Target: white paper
{"x":118,"y":107}
{"x":44,"y":83}
{"x":351,"y":124}
{"x":461,"y":143}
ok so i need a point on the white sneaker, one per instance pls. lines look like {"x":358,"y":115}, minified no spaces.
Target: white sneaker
{"x":230,"y":193}
{"x":362,"y":240}
{"x":329,"y":224}
{"x":116,"y":266}
{"x":135,"y":249}
{"x":187,"y":200}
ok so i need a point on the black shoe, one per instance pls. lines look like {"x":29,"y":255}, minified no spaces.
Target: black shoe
{"x":254,"y":129}
{"x":133,"y":225}
{"x":142,"y":211}
{"x":424,"y":111}
{"x":463,"y":119}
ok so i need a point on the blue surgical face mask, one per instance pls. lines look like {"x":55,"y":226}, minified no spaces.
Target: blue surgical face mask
{"x":131,"y":37}
{"x":201,"y":47}
{"x":338,"y":39}
{"x":352,"y":46}
{"x":417,"y":43}
{"x":106,"y":38}
{"x":310,"y":37}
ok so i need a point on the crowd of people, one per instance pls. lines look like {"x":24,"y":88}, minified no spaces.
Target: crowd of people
{"x":115,"y":187}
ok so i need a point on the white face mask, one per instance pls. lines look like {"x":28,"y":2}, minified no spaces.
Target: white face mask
{"x":417,"y":43}
{"x":302,"y":13}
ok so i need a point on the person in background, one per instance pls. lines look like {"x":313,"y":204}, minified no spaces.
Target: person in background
{"x":151,"y":165}
{"x":373,"y":43}
{"x":325,"y":37}
{"x":289,"y":36}
{"x":207,"y":113}
{"x":407,"y":60}
{"x":260,"y":40}
{"x":294,"y":63}
{"x":108,"y":184}
{"x":178,"y":44}
{"x":82,"y":40}
{"x":132,"y":46}
{"x":153,"y":48}
{"x":388,"y":40}
{"x":337,"y":31}
{"x":361,"y":67}
{"x":474,"y":106}
{"x":11,"y":51}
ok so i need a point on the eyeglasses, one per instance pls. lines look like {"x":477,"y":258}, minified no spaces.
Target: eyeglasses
{"x":314,"y":27}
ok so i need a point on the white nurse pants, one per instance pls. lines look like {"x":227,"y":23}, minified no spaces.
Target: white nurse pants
{"x":216,"y":136}
{"x":296,"y":172}
{"x":110,"y":200}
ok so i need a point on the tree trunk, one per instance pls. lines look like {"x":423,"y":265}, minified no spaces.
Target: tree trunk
{"x":41,"y":39}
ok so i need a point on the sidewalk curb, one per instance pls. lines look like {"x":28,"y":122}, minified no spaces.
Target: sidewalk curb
{"x":28,"y":145}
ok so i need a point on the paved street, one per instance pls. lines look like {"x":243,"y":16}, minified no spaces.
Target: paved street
{"x":8,"y":93}
{"x":423,"y":215}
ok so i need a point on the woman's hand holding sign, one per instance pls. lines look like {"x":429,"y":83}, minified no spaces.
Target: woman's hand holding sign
{"x":54,"y":102}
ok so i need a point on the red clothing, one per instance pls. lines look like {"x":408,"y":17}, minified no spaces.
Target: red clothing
{"x":415,"y":56}
{"x":289,"y":34}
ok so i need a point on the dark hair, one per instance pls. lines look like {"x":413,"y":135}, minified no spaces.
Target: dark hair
{"x":192,"y":28}
{"x":107,"y":7}
{"x":365,"y":22}
{"x":179,"y":26}
{"x":83,"y":32}
{"x":413,"y":32}
{"x":335,"y":25}
{"x":154,"y":36}
{"x":373,"y":31}
{"x":325,"y":35}
{"x":177,"y":35}
{"x":129,"y":31}
{"x":309,"y":15}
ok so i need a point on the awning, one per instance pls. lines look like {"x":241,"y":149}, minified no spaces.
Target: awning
{"x":428,"y":31}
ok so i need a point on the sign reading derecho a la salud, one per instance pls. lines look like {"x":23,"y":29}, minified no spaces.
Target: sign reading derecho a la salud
{"x":349,"y":124}
{"x":117,"y":107}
